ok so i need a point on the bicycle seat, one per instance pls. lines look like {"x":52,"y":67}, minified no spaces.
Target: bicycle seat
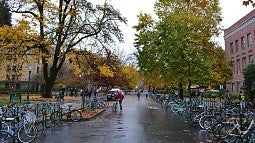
{"x":9,"y":119}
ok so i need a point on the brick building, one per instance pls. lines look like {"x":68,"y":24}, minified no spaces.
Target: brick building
{"x":240,"y":48}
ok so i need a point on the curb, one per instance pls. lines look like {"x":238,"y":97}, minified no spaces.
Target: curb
{"x":94,"y":115}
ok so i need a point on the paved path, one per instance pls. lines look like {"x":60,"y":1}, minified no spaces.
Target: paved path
{"x":141,"y":121}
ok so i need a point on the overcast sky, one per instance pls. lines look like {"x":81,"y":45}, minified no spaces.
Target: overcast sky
{"x":232,"y":11}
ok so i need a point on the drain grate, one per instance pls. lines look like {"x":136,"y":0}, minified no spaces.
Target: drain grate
{"x":152,"y":108}
{"x":120,"y":136}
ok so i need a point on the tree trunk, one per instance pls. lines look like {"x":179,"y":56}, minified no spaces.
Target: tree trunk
{"x":50,"y":78}
{"x":189,"y":77}
{"x":181,"y":91}
{"x":48,"y":88}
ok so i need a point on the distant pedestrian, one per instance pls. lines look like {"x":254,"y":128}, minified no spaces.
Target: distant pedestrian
{"x":88,"y":94}
{"x":146,"y":93}
{"x":138,"y":94}
{"x":228,"y":97}
{"x":62,"y":93}
{"x":95,"y":93}
{"x":242,"y":100}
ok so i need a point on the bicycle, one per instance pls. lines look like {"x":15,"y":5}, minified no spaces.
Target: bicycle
{"x":115,"y":106}
{"x":25,"y":130}
{"x":231,"y":130}
{"x":99,"y":103}
{"x":73,"y":114}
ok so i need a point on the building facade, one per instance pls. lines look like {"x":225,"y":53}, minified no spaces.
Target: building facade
{"x":17,"y":77}
{"x":240,"y":48}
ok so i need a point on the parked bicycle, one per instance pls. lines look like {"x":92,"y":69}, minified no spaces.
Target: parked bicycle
{"x":25,"y":130}
{"x":63,"y":113}
{"x":232,"y":129}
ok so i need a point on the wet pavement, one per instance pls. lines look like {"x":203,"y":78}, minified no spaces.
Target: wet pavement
{"x":141,"y":121}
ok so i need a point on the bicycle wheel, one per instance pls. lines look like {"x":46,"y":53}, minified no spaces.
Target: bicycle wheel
{"x":215,"y":129}
{"x":106,"y":103}
{"x":5,"y":137}
{"x":114,"y":107}
{"x":4,"y":126}
{"x":193,"y":121}
{"x":186,"y":115}
{"x":99,"y":105}
{"x":75,"y":115}
{"x":249,"y":137}
{"x":226,"y":133}
{"x":45,"y":118}
{"x":55,"y":117}
{"x":27,"y":132}
{"x":175,"y":108}
{"x":201,"y":121}
{"x":103,"y":104}
{"x":40,"y":128}
{"x":208,"y":123}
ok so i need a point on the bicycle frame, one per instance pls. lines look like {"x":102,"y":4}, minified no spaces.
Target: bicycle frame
{"x":238,"y":127}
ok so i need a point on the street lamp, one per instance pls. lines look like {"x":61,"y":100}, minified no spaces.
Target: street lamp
{"x":28,"y":84}
{"x":82,"y":95}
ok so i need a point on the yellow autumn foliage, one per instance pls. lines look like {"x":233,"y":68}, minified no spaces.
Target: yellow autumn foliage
{"x":132,"y":75}
{"x":106,"y":71}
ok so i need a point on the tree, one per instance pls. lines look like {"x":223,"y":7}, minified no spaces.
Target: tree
{"x":178,"y":45}
{"x":5,"y":15}
{"x":245,"y":2}
{"x":221,"y":71}
{"x":249,"y":81}
{"x":63,"y":26}
{"x":249,"y":2}
{"x":132,"y":76}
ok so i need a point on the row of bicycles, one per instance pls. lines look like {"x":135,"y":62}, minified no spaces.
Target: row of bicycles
{"x":17,"y":124}
{"x":25,"y":122}
{"x":96,"y":103}
{"x":225,"y":121}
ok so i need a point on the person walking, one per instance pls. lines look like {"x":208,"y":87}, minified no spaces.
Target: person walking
{"x":146,"y":93}
{"x":241,"y":100}
{"x":138,"y":94}
{"x":119,"y":96}
{"x":228,"y":97}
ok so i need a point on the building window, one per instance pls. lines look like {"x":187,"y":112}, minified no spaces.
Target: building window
{"x":238,"y":86}
{"x":238,"y":68}
{"x":243,"y":43}
{"x":244,"y":62}
{"x":231,"y":48}
{"x":237,"y":46}
{"x":249,"y":39}
{"x":233,"y":85}
{"x":233,"y":69}
{"x":250,"y":59}
{"x":233,"y":66}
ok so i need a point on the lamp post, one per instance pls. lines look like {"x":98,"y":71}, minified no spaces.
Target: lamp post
{"x":28,"y":84}
{"x":82,"y":95}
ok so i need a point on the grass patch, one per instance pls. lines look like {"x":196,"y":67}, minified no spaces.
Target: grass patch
{"x":5,"y":98}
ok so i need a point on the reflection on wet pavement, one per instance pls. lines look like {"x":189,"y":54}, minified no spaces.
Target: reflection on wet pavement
{"x":141,"y":121}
